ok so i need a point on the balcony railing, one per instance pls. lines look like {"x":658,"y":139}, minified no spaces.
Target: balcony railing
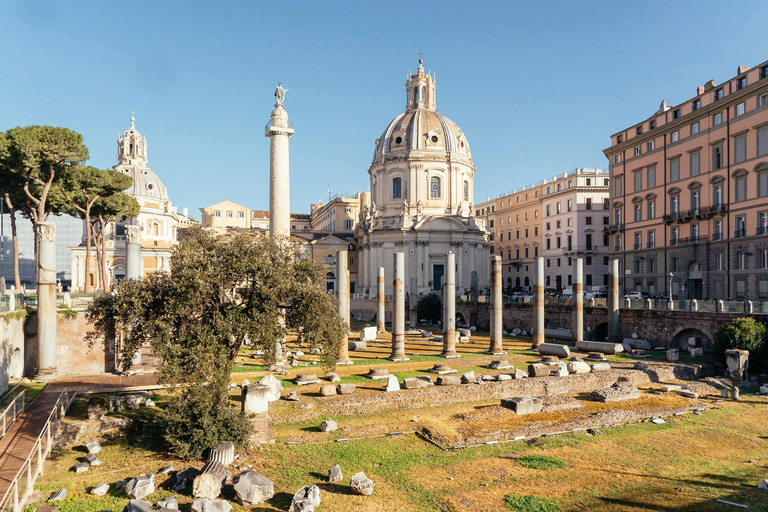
{"x":693,"y":239}
{"x":617,"y":248}
{"x":650,"y":245}
{"x":740,"y":233}
{"x":581,"y":248}
{"x":638,"y":245}
{"x":674,"y":241}
{"x":762,"y":230}
{"x":614,"y":227}
{"x":716,"y":237}
{"x":671,"y":217}
{"x":719,"y":208}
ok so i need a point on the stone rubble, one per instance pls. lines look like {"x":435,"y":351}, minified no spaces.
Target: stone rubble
{"x":92,"y":460}
{"x":93,"y":446}
{"x":208,"y":505}
{"x":169,"y":502}
{"x":522,"y":404}
{"x":328,"y":426}
{"x":59,"y":495}
{"x":100,"y":490}
{"x":252,"y":488}
{"x":141,"y":486}
{"x":361,"y":484}
{"x":184,"y":478}
{"x":448,"y":380}
{"x":392,"y":384}
{"x":306,"y":499}
{"x":223,"y":452}
{"x":208,"y":483}
{"x":292,"y":396}
{"x":81,"y":467}
{"x":618,"y":392}
{"x":333,"y":377}
{"x":327,"y":390}
{"x":335,"y":474}
{"x":345,"y":389}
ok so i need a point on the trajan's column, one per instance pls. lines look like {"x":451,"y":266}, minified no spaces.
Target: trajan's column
{"x":279,"y":130}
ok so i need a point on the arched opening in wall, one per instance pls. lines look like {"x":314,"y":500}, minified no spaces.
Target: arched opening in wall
{"x":16,"y":368}
{"x":527,"y":281}
{"x":155,"y":229}
{"x":330,"y":282}
{"x":509,"y":282}
{"x":460,"y":322}
{"x":682,"y":340}
{"x":517,"y":281}
{"x":599,"y":333}
{"x":91,"y":280}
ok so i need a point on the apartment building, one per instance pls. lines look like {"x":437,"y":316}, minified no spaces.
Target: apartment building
{"x":689,"y":194}
{"x":229,"y":217}
{"x":560,"y":219}
{"x":339,"y":215}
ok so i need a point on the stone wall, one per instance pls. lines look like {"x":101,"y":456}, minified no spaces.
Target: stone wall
{"x":77,"y":353}
{"x":11,"y":347}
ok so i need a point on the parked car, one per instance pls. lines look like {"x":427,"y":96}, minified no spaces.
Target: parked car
{"x":636,"y":295}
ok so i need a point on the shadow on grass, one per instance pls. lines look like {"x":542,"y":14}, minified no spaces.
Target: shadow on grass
{"x":281,"y":500}
{"x":336,"y":488}
{"x":319,"y":476}
{"x":311,"y":429}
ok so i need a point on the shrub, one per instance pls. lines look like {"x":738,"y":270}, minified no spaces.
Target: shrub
{"x":431,"y":308}
{"x":519,"y":503}
{"x":744,"y":334}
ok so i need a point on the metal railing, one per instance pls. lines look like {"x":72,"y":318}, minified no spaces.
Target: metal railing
{"x":12,"y":411}
{"x":23,"y":483}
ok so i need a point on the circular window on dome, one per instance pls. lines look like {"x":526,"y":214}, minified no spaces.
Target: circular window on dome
{"x":462,"y":143}
{"x":433,"y":139}
{"x":399,"y":140}
{"x":150,"y":187}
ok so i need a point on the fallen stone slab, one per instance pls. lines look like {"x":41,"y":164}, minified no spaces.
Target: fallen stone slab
{"x":335,"y":474}
{"x":184,"y":478}
{"x":100,"y":489}
{"x":208,"y":505}
{"x":170,"y":503}
{"x":327,"y":390}
{"x":550,"y":360}
{"x":223,"y":452}
{"x":499,"y":364}
{"x":522,"y":404}
{"x":560,"y":371}
{"x":377,"y":373}
{"x":464,"y":332}
{"x":356,"y":346}
{"x":361,"y":484}
{"x":658,"y":421}
{"x":59,"y":495}
{"x":92,"y":459}
{"x":670,"y":387}
{"x":503,"y":376}
{"x":328,"y":426}
{"x":538,"y":370}
{"x":141,"y":486}
{"x":392,"y":384}
{"x":554,"y":349}
{"x":252,"y":488}
{"x":641,"y":365}
{"x":578,"y":367}
{"x":519,"y":374}
{"x":368,"y":333}
{"x":145,"y":506}
{"x":632,"y":343}
{"x":306,"y":499}
{"x":464,"y":339}
{"x":599,"y":346}
{"x":333,"y":377}
{"x":426,"y":334}
{"x":255,"y":399}
{"x":673,"y":354}
{"x":292,"y":396}
{"x":448,"y":380}
{"x":81,"y":467}
{"x":345,"y":389}
{"x":305,"y":379}
{"x":416,"y":383}
{"x":167,"y":470}
{"x":618,"y":392}
{"x":596,"y":357}
{"x":275,"y":387}
{"x":687,"y":393}
{"x":93,"y":446}
{"x":763,"y":486}
{"x":208,"y":483}
{"x":468,"y":378}
{"x":696,"y":351}
{"x":600,"y":367}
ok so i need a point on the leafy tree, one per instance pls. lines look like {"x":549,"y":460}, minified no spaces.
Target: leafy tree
{"x":12,"y":194}
{"x":219,"y":293}
{"x":431,"y":308}
{"x":105,"y":210}
{"x":83,"y":187}
{"x":744,"y":333}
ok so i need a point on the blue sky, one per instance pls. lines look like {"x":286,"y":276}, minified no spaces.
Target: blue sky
{"x":537,"y":87}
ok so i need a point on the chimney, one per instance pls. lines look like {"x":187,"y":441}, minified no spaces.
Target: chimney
{"x":742,"y":69}
{"x":709,"y":85}
{"x":699,"y":91}
{"x":186,"y":212}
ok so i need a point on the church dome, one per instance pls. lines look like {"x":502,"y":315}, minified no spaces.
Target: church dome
{"x":132,"y":160}
{"x":421,"y":127}
{"x":145,"y":183}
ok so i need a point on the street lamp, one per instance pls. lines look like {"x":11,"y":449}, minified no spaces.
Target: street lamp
{"x":670,"y":286}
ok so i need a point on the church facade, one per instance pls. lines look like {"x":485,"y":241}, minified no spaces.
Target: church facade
{"x":158,"y":219}
{"x":422,"y":185}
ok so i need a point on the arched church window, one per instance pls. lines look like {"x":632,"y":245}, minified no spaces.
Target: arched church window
{"x":423,"y":94}
{"x":131,"y":149}
{"x":155,"y":229}
{"x":434,"y":187}
{"x":397,"y":188}
{"x":466,"y":191}
{"x":415,"y":96}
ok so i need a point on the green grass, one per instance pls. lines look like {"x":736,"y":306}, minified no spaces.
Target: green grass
{"x":520,"y":503}
{"x":32,"y":390}
{"x":540,"y":462}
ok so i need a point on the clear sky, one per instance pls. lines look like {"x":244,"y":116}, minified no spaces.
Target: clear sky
{"x":537,"y":87}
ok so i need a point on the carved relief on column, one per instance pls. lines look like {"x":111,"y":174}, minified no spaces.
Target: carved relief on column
{"x":133,"y":234}
{"x":46,"y":231}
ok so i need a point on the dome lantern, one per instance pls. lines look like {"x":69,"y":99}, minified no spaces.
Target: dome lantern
{"x":420,"y":90}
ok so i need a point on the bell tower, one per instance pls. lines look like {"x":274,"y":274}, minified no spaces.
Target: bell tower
{"x":131,"y":146}
{"x":420,"y":90}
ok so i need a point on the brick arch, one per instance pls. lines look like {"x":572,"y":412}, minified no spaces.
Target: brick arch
{"x":680,"y":339}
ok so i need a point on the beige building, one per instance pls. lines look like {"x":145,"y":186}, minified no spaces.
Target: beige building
{"x":228,"y":217}
{"x":689,"y":199}
{"x":158,"y":219}
{"x":339,"y":215}
{"x":560,"y":219}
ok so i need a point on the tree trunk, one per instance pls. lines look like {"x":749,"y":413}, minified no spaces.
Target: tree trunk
{"x":103,"y":255}
{"x":97,"y":247}
{"x":87,"y":285}
{"x":15,"y":238}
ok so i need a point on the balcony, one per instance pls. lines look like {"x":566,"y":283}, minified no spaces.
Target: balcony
{"x":638,"y":245}
{"x":762,"y":230}
{"x":720,"y":208}
{"x":740,"y":233}
{"x":612,"y":228}
{"x":674,"y":241}
{"x":716,"y":237}
{"x":581,"y":249}
{"x":672,"y":217}
{"x":650,"y":245}
{"x":693,"y":239}
{"x":617,"y":248}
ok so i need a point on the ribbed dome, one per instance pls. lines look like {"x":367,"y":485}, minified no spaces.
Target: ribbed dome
{"x":145,"y":183}
{"x":422,"y":129}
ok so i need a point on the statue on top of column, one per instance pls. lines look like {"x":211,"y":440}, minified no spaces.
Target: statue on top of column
{"x":280,"y":93}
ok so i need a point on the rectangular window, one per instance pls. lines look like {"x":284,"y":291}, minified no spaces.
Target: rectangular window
{"x":652,"y":209}
{"x":349,"y":225}
{"x":240,"y":215}
{"x":535,"y":230}
{"x":652,"y":124}
{"x":217,"y":213}
{"x":588,"y":203}
{"x":548,"y":210}
{"x":549,"y":243}
{"x":673,"y":264}
{"x":695,"y":161}
{"x":589,"y":182}
{"x":651,"y":177}
{"x":741,"y":261}
{"x":589,"y":221}
{"x":651,"y":266}
{"x":606,"y":204}
{"x":675,"y":136}
{"x":763,"y":258}
{"x":638,"y":240}
{"x":558,"y":208}
{"x":718,"y":94}
{"x":674,"y":235}
{"x":676,"y":114}
{"x":694,"y":128}
{"x":617,"y":188}
{"x":717,"y":230}
{"x":740,"y":109}
{"x":674,"y":169}
{"x":637,"y":151}
{"x":719,"y":261}
{"x":557,"y":242}
{"x":696,"y":105}
{"x":741,"y":226}
{"x":717,"y":157}
{"x":649,"y":146}
{"x":740,"y":188}
{"x":651,"y":239}
{"x":762,"y":100}
{"x":119,"y":229}
{"x":638,"y":181}
{"x":638,"y":130}
{"x":740,"y":149}
{"x":638,"y":212}
{"x":762,"y":141}
{"x":717,"y":119}
{"x":762,"y":183}
{"x":741,"y":83}
{"x":570,"y":204}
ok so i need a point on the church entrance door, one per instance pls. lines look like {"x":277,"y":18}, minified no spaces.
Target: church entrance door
{"x":437,"y":276}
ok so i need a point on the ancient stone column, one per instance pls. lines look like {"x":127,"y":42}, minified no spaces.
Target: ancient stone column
{"x":398,"y":310}
{"x":343,"y":292}
{"x":538,"y":304}
{"x":577,"y":327}
{"x":46,"y":301}
{"x":414,"y":302}
{"x":348,"y":312}
{"x":279,"y":130}
{"x":449,"y":307}
{"x":133,"y":252}
{"x":381,"y":314}
{"x":613,"y":300}
{"x":497,"y":306}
